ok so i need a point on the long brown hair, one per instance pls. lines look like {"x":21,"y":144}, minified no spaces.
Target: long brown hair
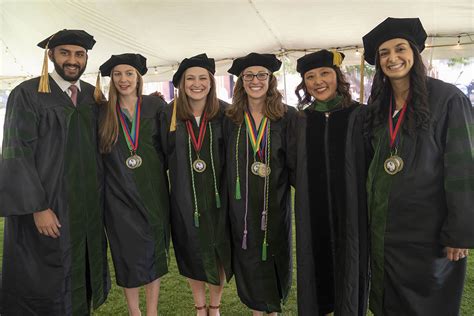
{"x":343,"y":89}
{"x":183,"y":108}
{"x":108,"y":121}
{"x":274,"y":107}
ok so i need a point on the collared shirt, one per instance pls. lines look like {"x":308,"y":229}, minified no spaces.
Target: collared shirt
{"x":64,"y":84}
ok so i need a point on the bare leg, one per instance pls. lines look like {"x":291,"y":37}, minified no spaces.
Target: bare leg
{"x":152,"y":293}
{"x":199,"y":295}
{"x":133,"y":302}
{"x":216,"y":295}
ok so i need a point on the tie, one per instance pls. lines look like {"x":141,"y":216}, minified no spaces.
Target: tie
{"x":73,"y":90}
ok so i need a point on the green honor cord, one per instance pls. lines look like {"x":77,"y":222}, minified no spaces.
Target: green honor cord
{"x":237,"y":181}
{"x":218,"y":197}
{"x":196,"y":213}
{"x":267,"y":192}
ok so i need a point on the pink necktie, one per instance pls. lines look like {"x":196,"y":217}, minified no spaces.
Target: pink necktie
{"x":73,"y":90}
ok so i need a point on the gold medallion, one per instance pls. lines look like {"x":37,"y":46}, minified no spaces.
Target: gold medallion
{"x":264,"y":170}
{"x":133,"y":162}
{"x":255,"y":168}
{"x":392,"y":165}
{"x":199,"y":165}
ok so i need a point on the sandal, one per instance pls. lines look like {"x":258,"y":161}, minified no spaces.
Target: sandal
{"x":200,"y":308}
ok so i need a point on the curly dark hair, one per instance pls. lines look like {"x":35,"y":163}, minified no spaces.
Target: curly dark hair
{"x":417,"y":115}
{"x":343,"y":88}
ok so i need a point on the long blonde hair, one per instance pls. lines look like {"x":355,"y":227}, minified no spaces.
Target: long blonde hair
{"x":183,"y":108}
{"x":274,"y":107}
{"x":108,"y":121}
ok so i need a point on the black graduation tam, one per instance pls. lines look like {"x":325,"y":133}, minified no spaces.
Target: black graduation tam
{"x":69,"y":37}
{"x":410,"y":29}
{"x":322,"y":58}
{"x":135,"y":60}
{"x":268,"y":61}
{"x":200,"y":60}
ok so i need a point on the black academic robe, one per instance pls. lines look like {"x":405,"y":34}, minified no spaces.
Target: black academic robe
{"x":50,"y":160}
{"x":331,"y":245}
{"x":137,"y":203}
{"x":261,"y":285}
{"x":422,"y":209}
{"x":200,"y":251}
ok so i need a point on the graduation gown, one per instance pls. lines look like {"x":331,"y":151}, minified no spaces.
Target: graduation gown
{"x":261,"y":285}
{"x":422,"y":209}
{"x":137,"y":203}
{"x":331,"y":239}
{"x":199,"y":251}
{"x":50,"y":160}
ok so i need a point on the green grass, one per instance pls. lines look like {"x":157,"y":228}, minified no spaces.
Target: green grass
{"x":176,"y":297}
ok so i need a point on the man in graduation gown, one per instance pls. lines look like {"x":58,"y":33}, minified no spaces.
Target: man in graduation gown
{"x":54,"y":260}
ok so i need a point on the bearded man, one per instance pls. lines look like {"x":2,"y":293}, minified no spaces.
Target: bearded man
{"x":54,"y":256}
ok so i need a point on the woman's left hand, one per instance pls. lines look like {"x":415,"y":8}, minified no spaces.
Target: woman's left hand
{"x":455,"y":254}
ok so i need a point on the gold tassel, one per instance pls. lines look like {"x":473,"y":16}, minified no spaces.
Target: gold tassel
{"x":43,"y":86}
{"x":336,"y":58}
{"x":362,"y":63}
{"x":173,"y":117}
{"x":98,"y":95}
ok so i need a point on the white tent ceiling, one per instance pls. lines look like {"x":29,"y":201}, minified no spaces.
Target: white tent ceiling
{"x":168,"y":31}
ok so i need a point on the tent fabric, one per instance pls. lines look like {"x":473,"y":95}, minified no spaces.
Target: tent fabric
{"x":165,"y":32}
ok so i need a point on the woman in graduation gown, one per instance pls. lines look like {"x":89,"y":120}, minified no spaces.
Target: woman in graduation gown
{"x":260,"y":213}
{"x":327,"y":229}
{"x":420,"y":188}
{"x":136,"y":184}
{"x":193,"y":143}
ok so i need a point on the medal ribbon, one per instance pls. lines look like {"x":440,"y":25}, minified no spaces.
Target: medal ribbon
{"x":257,"y":138}
{"x":197,"y":144}
{"x":393,"y":133}
{"x":131,"y":138}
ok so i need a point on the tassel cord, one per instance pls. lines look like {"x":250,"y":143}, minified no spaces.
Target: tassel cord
{"x":218,"y":199}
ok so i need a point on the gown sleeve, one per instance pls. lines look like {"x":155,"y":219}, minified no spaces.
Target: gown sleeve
{"x":164,"y":127}
{"x":458,"y":132}
{"x":157,"y":136}
{"x":291,"y":141}
{"x":21,"y":190}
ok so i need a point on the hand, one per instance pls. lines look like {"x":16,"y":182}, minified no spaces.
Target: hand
{"x":158,"y":94}
{"x":47,"y":223}
{"x":455,"y":254}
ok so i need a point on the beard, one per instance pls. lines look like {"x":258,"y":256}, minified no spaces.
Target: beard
{"x":60,"y":70}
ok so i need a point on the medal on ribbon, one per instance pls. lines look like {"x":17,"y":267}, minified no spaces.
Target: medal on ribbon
{"x":199,"y":165}
{"x":394,"y":164}
{"x":258,"y":140}
{"x":131,"y":135}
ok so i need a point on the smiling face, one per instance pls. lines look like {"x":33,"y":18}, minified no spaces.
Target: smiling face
{"x":125,"y":79}
{"x":396,"y":58}
{"x":256,"y":89}
{"x":321,"y":83}
{"x":69,"y":61}
{"x":197,"y":83}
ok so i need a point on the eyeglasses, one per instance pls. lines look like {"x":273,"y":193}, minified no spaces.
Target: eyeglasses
{"x":261,"y":76}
